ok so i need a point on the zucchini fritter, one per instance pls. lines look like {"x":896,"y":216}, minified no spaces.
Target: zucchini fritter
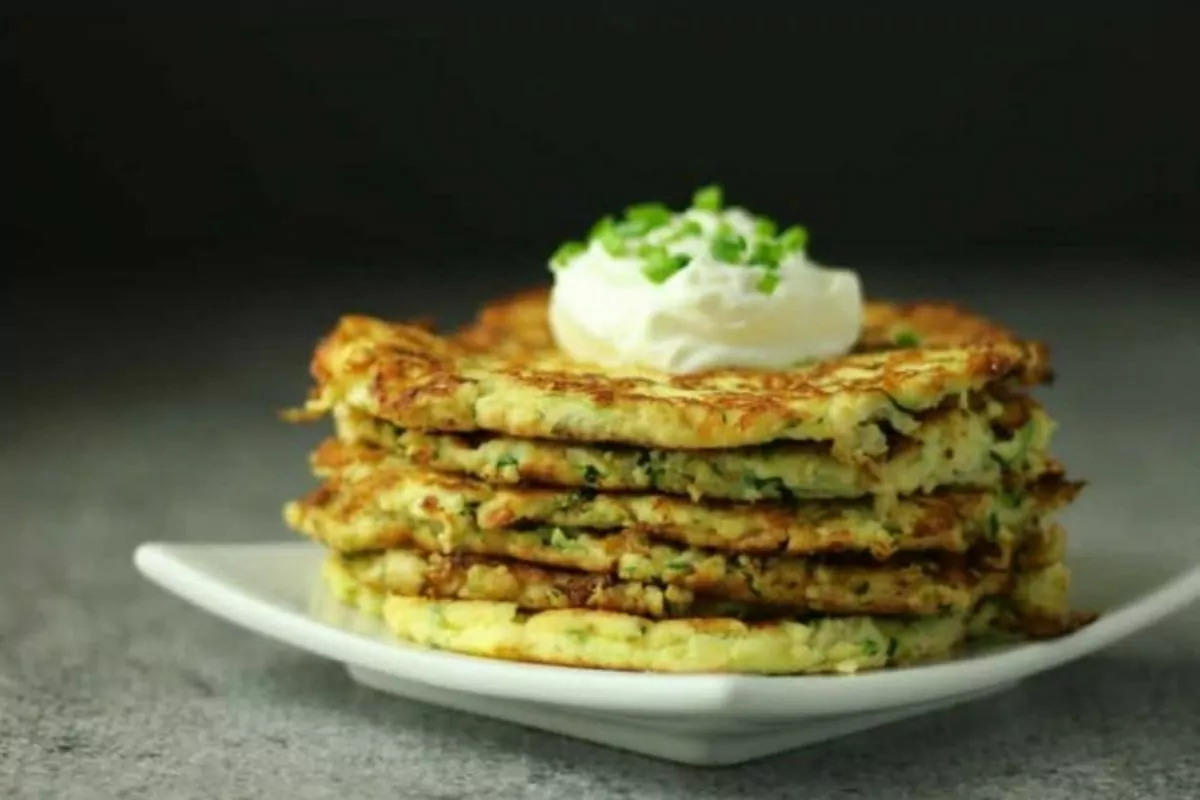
{"x":655,"y":588}
{"x":619,"y":641}
{"x":955,"y":447}
{"x":410,"y":377}
{"x":487,"y":495}
{"x":373,"y":500}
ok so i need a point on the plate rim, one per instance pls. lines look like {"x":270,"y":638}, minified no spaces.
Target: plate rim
{"x":167,"y":565}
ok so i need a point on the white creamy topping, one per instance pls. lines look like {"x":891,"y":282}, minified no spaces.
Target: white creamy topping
{"x":710,"y":313}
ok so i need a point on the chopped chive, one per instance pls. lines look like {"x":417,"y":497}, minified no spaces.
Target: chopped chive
{"x":632,"y":228}
{"x":907,"y":339}
{"x":794,"y":239}
{"x":708,"y":198}
{"x":689,"y":228}
{"x":605,"y":232}
{"x":764,"y":227}
{"x":728,"y":246}
{"x":565,"y":252}
{"x":614,"y":245}
{"x":766,"y":253}
{"x":600,"y":228}
{"x":652,"y":215}
{"x":660,"y":267}
{"x":767,"y":283}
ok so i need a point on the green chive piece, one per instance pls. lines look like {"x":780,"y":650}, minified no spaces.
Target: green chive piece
{"x":652,"y":215}
{"x":767,"y":283}
{"x":907,"y":339}
{"x":565,"y":252}
{"x":708,"y":198}
{"x":605,"y":231}
{"x":614,"y":244}
{"x":794,"y":239}
{"x":631,"y":228}
{"x":765,"y":227}
{"x":766,"y":253}
{"x":600,"y":228}
{"x":689,"y":228}
{"x":728,"y":246}
{"x":662,"y":265}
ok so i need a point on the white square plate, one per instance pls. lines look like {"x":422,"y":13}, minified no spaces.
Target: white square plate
{"x":273,"y":589}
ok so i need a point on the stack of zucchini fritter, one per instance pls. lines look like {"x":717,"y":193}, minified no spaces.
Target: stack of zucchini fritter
{"x":488,"y":496}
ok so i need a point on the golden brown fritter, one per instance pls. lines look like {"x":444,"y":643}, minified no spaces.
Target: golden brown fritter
{"x":490,"y":496}
{"x":951,"y":447}
{"x":670,"y":590}
{"x":412,"y":378}
{"x":619,"y":641}
{"x":374,"y":500}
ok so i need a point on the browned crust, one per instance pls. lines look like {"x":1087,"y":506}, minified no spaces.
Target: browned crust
{"x":1043,"y":627}
{"x":913,"y":590}
{"x":356,"y":475}
{"x":408,"y":376}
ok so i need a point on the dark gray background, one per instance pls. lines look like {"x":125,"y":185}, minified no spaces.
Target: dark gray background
{"x":463,"y":129}
{"x":201,"y":197}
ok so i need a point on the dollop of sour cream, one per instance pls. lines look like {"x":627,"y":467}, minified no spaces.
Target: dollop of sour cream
{"x":717,"y":310}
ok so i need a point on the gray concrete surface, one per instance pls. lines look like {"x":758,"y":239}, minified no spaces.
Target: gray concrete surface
{"x":153,"y":420}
